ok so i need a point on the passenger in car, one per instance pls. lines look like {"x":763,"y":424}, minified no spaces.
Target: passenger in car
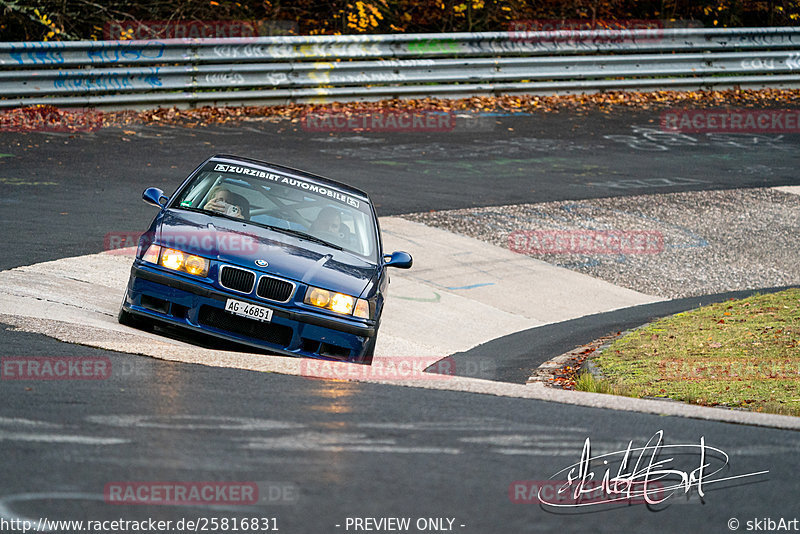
{"x":225,"y":201}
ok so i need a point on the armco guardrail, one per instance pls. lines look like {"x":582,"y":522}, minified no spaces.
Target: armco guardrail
{"x":275,"y":70}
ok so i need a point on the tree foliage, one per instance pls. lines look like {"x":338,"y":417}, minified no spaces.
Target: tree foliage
{"x":36,"y":20}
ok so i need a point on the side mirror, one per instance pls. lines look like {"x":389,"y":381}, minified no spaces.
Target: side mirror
{"x":155,"y":196}
{"x":401,"y":260}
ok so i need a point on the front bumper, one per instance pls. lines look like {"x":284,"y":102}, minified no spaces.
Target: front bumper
{"x":175,"y":300}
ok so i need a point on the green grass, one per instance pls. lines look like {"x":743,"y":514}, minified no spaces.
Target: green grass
{"x":738,"y":354}
{"x":588,"y":382}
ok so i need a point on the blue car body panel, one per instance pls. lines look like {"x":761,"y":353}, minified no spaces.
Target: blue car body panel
{"x":296,"y":328}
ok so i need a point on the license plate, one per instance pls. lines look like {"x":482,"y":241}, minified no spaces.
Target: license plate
{"x":259,"y":313}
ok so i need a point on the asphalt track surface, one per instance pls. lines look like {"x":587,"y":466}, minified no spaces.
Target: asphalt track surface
{"x":514,"y":357}
{"x":353,"y":449}
{"x":63,"y":194}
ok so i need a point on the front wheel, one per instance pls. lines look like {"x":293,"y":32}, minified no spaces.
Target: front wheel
{"x":369,"y":351}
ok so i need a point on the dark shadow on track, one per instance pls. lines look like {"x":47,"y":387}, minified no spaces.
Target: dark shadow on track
{"x":513,"y":358}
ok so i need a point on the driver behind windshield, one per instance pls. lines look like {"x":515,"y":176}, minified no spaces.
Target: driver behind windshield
{"x":329,"y":221}
{"x":329,"y":225}
{"x":225,"y":201}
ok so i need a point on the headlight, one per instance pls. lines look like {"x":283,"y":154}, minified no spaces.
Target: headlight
{"x":318,"y":297}
{"x":195,"y":265}
{"x":176,"y":260}
{"x":342,"y":303}
{"x":172,"y":259}
{"x":338,"y":302}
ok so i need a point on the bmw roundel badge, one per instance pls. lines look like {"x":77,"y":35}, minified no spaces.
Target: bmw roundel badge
{"x":262,"y":263}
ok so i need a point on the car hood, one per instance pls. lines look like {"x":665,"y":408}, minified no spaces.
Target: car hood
{"x":242,"y":243}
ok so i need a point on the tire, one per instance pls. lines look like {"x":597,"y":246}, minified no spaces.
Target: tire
{"x":369,"y":351}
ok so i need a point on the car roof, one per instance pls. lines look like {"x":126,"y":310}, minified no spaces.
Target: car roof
{"x":320,"y":180}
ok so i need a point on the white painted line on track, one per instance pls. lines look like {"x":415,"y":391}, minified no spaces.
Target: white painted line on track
{"x":60,"y":438}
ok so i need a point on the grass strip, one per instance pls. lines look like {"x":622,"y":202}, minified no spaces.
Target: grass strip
{"x":742,"y":354}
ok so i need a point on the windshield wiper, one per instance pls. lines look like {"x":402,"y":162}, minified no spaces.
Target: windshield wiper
{"x":303,"y":235}
{"x":288,"y":231}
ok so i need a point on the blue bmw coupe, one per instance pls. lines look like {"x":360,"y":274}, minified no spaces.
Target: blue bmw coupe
{"x":266,"y":256}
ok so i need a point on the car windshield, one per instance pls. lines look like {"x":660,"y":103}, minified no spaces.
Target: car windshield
{"x":284,"y":203}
